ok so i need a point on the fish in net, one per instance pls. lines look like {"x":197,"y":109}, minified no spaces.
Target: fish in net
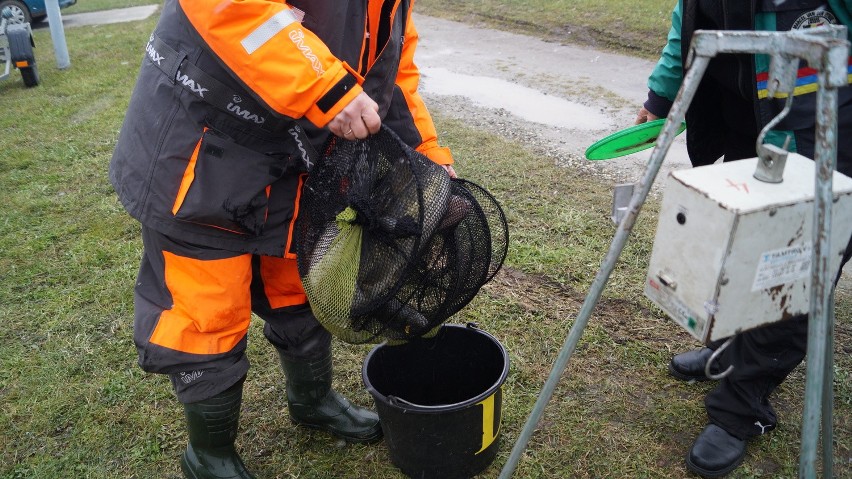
{"x":388,"y":245}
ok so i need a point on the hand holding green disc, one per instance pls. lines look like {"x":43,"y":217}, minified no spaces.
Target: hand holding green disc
{"x":627,"y":141}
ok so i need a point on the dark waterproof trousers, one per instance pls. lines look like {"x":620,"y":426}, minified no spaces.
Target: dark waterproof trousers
{"x":762,"y":358}
{"x":193,"y":309}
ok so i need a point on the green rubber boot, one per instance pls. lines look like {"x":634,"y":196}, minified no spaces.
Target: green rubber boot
{"x":212,"y":425}
{"x":314,"y":404}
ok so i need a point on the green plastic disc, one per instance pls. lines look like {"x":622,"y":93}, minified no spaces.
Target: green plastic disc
{"x":629,"y":140}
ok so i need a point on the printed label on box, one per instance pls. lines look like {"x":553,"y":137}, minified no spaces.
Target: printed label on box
{"x":676,"y":309}
{"x":782,"y":266}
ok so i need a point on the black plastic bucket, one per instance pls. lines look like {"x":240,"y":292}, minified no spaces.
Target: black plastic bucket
{"x":440,"y":401}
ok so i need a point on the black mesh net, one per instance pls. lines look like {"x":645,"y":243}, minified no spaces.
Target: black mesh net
{"x":388,"y":246}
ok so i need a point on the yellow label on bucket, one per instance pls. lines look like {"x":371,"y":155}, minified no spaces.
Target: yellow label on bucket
{"x":489,"y":435}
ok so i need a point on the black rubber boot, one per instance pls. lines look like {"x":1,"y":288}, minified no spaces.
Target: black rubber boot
{"x":314,"y":404}
{"x":212,"y":425}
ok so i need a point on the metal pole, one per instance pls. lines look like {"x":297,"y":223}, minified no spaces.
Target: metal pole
{"x":57,"y":34}
{"x":664,"y":141}
{"x":828,"y":399}
{"x":818,"y":370}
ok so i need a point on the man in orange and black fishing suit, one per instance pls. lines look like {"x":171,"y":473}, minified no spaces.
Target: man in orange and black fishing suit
{"x":232,"y":102}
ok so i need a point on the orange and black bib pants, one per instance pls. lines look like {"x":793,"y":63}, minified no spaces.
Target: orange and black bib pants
{"x":193,"y":307}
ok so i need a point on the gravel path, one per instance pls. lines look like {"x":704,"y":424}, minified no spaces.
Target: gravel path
{"x":607,"y":85}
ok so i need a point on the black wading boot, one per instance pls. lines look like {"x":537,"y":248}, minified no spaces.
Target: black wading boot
{"x":212,"y":425}
{"x":715,"y":452}
{"x":689,"y":366}
{"x":314,"y":404}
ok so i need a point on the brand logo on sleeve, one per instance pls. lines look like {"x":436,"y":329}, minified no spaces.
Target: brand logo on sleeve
{"x":298,"y":38}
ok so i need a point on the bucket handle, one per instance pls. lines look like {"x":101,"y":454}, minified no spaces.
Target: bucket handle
{"x":398,"y":401}
{"x":402,"y":403}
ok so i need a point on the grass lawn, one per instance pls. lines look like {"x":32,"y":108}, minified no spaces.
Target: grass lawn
{"x":76,"y":405}
{"x":636,"y":27}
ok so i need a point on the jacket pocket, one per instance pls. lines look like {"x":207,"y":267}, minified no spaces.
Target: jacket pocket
{"x":226,"y":186}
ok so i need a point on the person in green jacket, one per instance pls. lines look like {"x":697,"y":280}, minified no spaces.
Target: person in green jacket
{"x":724,"y":120}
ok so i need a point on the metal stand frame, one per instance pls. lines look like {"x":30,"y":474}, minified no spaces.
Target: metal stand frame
{"x":826,"y":50}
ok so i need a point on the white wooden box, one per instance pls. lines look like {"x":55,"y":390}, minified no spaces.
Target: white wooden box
{"x":732,"y":253}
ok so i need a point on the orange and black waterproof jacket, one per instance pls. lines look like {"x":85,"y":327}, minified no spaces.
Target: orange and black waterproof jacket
{"x":233,"y":97}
